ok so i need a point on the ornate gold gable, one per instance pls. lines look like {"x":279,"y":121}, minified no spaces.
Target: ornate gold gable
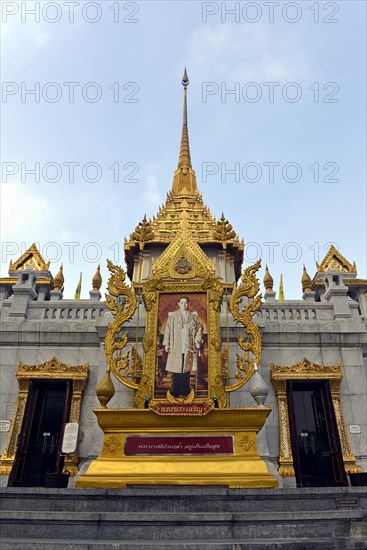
{"x":302,"y":370}
{"x":334,"y":261}
{"x":31,"y":259}
{"x":183,"y":259}
{"x":55,"y":370}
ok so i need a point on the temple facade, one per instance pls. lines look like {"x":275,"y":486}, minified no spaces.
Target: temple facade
{"x":305,"y":359}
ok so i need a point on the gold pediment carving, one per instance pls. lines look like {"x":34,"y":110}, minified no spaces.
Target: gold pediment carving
{"x":31,"y":259}
{"x":53,"y":368}
{"x":335,"y":261}
{"x":306,"y":369}
{"x":183,"y":259}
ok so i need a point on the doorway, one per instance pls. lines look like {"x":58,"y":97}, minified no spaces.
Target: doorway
{"x":318,"y":460}
{"x":39,"y":448}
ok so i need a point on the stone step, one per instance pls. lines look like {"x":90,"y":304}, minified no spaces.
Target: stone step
{"x":199,"y":526}
{"x":201,"y":518}
{"x":182,"y":499}
{"x":236,"y":544}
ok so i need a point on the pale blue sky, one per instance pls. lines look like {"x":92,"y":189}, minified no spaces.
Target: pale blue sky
{"x":152,"y":53}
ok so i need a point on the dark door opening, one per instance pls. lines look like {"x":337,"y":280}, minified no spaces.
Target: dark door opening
{"x":318,"y":460}
{"x":40,"y":441}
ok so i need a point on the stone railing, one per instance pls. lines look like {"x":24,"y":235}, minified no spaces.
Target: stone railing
{"x":295,"y":312}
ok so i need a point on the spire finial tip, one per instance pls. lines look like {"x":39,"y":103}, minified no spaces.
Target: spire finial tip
{"x":185,"y":79}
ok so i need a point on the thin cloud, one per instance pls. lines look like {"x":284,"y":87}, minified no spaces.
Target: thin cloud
{"x":239,"y":53}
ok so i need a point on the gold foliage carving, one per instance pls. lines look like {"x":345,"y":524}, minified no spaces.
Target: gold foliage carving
{"x":305,"y":369}
{"x":53,"y":368}
{"x":246,"y":442}
{"x":249,"y":289}
{"x":114,"y":343}
{"x":225,"y":361}
{"x":112,"y":444}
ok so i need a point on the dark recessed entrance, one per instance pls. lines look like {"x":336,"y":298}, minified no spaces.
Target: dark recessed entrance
{"x":317,"y":455}
{"x":40,"y":441}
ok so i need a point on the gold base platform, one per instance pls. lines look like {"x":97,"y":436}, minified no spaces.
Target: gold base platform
{"x":243,"y":468}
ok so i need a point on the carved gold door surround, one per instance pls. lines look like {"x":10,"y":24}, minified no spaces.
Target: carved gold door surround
{"x":49,"y":370}
{"x":306,"y":370}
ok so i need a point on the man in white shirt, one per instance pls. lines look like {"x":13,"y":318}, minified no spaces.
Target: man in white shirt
{"x":182,"y":339}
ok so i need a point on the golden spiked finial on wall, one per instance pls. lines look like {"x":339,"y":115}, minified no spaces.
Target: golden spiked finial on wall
{"x":306,"y":281}
{"x":97,"y":279}
{"x":268,"y":280}
{"x":143,"y":232}
{"x":224,"y":231}
{"x":59,"y":279}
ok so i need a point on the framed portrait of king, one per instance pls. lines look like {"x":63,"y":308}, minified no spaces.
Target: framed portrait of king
{"x":181,"y":365}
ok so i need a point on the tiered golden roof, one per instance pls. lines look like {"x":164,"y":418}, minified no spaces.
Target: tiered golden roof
{"x":184,"y":203}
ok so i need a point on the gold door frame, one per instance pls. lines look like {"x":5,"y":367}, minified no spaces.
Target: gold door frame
{"x":55,"y":370}
{"x":306,"y":370}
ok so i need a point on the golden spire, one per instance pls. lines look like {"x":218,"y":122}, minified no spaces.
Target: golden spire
{"x":59,"y":279}
{"x":306,"y":281}
{"x":184,"y":180}
{"x":268,"y":280}
{"x":97,"y":279}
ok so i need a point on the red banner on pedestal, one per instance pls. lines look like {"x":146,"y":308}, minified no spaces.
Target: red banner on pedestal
{"x":137,"y":445}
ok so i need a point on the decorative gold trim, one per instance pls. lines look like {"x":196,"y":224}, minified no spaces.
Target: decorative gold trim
{"x":51,"y":369}
{"x":183,"y":246}
{"x":13,"y":281}
{"x":249,"y":289}
{"x":31,"y":259}
{"x":114,"y":344}
{"x":302,"y":370}
{"x":335,"y":261}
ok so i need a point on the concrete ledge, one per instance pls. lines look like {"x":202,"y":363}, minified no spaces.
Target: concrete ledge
{"x":235,"y":544}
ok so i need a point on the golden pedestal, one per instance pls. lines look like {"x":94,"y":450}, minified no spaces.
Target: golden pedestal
{"x":243,"y":468}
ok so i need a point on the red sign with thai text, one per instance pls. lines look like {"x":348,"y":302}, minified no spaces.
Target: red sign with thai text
{"x":136,"y":445}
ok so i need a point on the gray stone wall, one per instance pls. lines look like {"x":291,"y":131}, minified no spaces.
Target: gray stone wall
{"x":33,"y":329}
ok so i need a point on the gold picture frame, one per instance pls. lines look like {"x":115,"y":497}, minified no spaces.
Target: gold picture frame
{"x":183,"y":269}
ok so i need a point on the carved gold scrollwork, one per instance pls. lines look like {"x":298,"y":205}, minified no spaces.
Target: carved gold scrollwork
{"x":117,"y":363}
{"x":248,"y":288}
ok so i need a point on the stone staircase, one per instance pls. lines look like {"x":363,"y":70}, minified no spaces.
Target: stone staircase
{"x":183,"y":518}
